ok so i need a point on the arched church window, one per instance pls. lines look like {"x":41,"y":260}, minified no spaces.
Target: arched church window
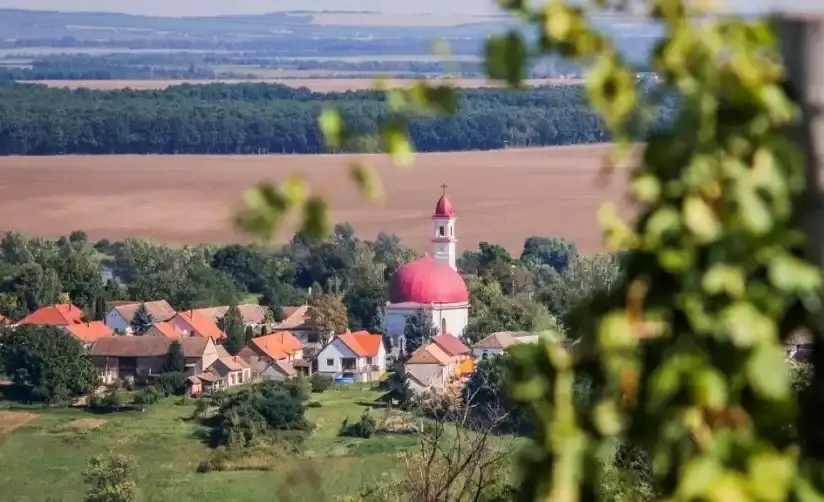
{"x":443,"y":325}
{"x":441,"y":230}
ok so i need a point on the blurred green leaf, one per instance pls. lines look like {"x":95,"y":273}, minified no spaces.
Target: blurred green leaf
{"x":794,"y":275}
{"x":506,"y":58}
{"x":367,"y":180}
{"x":725,"y":278}
{"x":747,"y":326}
{"x":331,"y":125}
{"x":316,"y":221}
{"x":768,"y":373}
{"x":701,"y":220}
{"x":396,"y":142}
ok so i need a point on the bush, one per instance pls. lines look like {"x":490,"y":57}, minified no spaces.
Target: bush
{"x":314,"y":404}
{"x":364,"y":428}
{"x":171,"y":384}
{"x":320,"y":383}
{"x":298,"y":387}
{"x":149,"y":395}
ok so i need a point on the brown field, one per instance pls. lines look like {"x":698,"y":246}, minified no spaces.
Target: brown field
{"x":316,"y":84}
{"x":500,"y":197}
{"x":10,"y":420}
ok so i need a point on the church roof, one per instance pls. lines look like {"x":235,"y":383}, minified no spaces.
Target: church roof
{"x":426,"y":280}
{"x":444,"y":209}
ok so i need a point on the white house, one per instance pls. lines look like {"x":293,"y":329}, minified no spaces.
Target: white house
{"x":119,"y":318}
{"x":430,"y":284}
{"x":430,"y":368}
{"x":360,"y":355}
{"x":498,"y":343}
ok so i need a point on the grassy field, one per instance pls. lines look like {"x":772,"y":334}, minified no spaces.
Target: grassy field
{"x":44,"y":456}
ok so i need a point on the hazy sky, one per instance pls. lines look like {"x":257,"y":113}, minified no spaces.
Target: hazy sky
{"x":215,"y":7}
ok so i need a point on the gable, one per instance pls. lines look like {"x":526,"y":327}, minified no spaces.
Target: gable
{"x":335,"y":350}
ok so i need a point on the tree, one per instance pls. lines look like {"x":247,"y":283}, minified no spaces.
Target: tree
{"x":232,"y":324}
{"x":175,"y":361}
{"x":397,"y":387}
{"x":418,"y":330}
{"x":248,"y":334}
{"x":327,"y":316}
{"x":111,"y":479}
{"x":142,"y":320}
{"x":47,"y":358}
{"x":557,"y":253}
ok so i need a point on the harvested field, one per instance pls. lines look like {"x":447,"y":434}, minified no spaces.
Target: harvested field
{"x":316,"y":84}
{"x":501,"y":196}
{"x":10,"y":420}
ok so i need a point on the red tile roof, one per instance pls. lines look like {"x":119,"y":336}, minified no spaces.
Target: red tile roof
{"x":55,"y":315}
{"x":168,"y":330}
{"x":201,"y":324}
{"x":451,"y":345}
{"x":277,"y":345}
{"x":90,"y":332}
{"x":362,"y":343}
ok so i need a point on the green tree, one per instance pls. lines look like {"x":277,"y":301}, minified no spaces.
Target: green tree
{"x":327,"y":316}
{"x":48,"y":359}
{"x":142,"y":320}
{"x":175,"y":360}
{"x":557,"y":253}
{"x":248,"y":334}
{"x":397,"y":387}
{"x":232,"y":324}
{"x":111,"y":478}
{"x":418,"y":330}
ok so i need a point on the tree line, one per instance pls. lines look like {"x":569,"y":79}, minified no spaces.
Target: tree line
{"x":265,"y":118}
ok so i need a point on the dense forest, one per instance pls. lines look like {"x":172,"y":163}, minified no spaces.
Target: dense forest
{"x":265,"y":118}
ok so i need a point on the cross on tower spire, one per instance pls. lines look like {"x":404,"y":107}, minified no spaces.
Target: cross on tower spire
{"x":444,"y":189}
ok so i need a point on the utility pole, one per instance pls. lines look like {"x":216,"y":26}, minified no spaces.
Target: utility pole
{"x":802,"y":47}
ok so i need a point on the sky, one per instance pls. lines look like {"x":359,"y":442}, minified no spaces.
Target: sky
{"x":217,"y":7}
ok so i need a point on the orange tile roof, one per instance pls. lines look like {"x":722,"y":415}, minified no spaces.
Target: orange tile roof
{"x":201,"y":324}
{"x":168,"y":330}
{"x":55,"y":315}
{"x":362,"y":343}
{"x":430,"y":354}
{"x":90,"y":332}
{"x":278,"y":345}
{"x":452,"y":345}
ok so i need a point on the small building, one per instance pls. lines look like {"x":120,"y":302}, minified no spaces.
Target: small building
{"x":499,"y":342}
{"x":89,"y":332}
{"x":193,"y":323}
{"x":123,"y":357}
{"x":430,"y":368}
{"x":294,"y":321}
{"x":273,"y":356}
{"x":224,"y":373}
{"x":164,"y":329}
{"x":63,"y":314}
{"x":253,"y":315}
{"x":120,"y":317}
{"x":360,"y":356}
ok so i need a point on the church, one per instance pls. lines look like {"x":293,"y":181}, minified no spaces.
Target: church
{"x":431,"y":283}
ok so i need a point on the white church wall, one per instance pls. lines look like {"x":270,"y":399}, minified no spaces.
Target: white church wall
{"x":454,"y":319}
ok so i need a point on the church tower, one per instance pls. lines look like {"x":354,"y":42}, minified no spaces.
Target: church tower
{"x":443,"y":231}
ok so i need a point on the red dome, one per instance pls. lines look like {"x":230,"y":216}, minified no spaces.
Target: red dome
{"x":444,"y":208}
{"x":426,"y":280}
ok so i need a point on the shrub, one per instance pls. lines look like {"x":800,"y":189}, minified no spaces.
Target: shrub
{"x":320,"y":383}
{"x":171,"y":384}
{"x":117,"y":398}
{"x":111,"y":479}
{"x":364,"y":428}
{"x":298,"y":387}
{"x":314,"y":404}
{"x":149,"y":395}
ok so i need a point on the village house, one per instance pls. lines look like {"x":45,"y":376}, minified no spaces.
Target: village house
{"x":120,"y":317}
{"x":499,"y":342}
{"x":193,"y":323}
{"x":164,"y":329}
{"x":439,"y":363}
{"x":124,"y":357}
{"x":360,"y":356}
{"x":89,"y":332}
{"x":224,"y":373}
{"x":253,"y":315}
{"x":294,"y":321}
{"x":65,"y":314}
{"x":275,"y":357}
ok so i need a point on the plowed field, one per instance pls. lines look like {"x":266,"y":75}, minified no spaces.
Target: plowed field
{"x":499,"y":197}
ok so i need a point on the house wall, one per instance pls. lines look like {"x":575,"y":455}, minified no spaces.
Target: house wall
{"x":435,"y":374}
{"x":456,"y":320}
{"x":116,"y":321}
{"x":335,"y":351}
{"x":151,"y":365}
{"x":210,"y":355}
{"x":107,"y":369}
{"x":270,"y":373}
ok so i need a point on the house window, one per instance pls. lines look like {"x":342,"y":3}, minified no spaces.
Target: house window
{"x":330,"y":362}
{"x":368,"y":360}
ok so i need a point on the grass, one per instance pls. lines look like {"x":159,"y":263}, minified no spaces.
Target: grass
{"x":44,"y":458}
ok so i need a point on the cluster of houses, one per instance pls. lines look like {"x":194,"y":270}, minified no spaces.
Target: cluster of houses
{"x":283,"y":350}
